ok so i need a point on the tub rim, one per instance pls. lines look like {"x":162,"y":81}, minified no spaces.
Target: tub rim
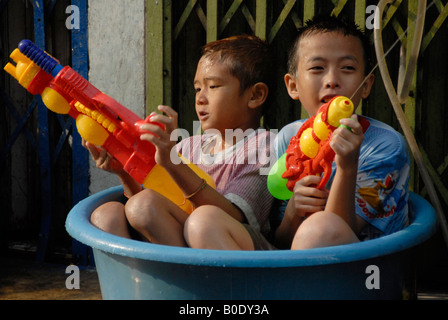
{"x":79,"y":227}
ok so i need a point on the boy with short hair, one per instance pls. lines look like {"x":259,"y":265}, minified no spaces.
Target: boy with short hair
{"x":231,"y":90}
{"x":369,"y":185}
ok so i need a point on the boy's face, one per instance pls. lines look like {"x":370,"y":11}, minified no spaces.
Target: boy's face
{"x":219,"y":102}
{"x":329,"y":64}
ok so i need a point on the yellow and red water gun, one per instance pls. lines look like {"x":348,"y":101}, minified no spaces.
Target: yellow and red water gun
{"x":100,"y":119}
{"x":309,"y":152}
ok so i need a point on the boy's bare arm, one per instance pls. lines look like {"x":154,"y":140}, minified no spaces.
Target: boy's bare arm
{"x":188,"y":181}
{"x":346,"y":145}
{"x":106,"y":162}
{"x":130,"y":186}
{"x":306,"y":199}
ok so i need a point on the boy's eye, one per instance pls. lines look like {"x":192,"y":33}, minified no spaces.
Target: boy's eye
{"x":350,"y":68}
{"x":197,"y":90}
{"x":316,"y":68}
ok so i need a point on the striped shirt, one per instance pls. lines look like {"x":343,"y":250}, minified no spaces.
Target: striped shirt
{"x":237,"y":172}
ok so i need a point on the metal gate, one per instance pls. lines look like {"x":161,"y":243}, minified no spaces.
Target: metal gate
{"x":37,"y":124}
{"x":181,"y":27}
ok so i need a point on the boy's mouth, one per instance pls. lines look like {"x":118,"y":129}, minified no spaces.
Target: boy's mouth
{"x":202,"y":115}
{"x":328,"y":98}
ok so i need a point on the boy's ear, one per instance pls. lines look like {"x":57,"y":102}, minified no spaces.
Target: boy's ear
{"x":291,"y":86}
{"x":367,"y":86}
{"x":260,"y":93}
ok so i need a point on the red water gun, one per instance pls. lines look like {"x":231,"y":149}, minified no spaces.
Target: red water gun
{"x":100,"y":119}
{"x":309,"y":152}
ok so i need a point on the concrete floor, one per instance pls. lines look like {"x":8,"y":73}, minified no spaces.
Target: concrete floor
{"x":25,"y":279}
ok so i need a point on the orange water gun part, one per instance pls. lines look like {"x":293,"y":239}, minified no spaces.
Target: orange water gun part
{"x":309,"y":152}
{"x":100,"y":119}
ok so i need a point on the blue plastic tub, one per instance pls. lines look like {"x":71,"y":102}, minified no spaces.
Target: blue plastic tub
{"x":375,"y":269}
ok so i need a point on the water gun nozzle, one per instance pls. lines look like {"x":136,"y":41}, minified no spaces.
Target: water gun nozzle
{"x":24,"y":71}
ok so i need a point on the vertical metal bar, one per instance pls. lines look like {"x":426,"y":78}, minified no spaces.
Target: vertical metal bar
{"x":158,"y":39}
{"x":309,"y":8}
{"x":360,"y":13}
{"x":44,"y":142}
{"x":80,"y":156}
{"x":167,"y":53}
{"x":212,"y":20}
{"x":261,"y":19}
{"x":154,"y":54}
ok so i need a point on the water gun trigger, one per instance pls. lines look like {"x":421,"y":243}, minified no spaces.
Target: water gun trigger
{"x":140,"y":123}
{"x":326,"y":165}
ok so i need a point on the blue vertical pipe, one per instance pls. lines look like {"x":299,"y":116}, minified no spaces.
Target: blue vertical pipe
{"x":80,"y":156}
{"x":44,"y":142}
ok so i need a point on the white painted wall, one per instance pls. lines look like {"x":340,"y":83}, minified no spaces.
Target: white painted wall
{"x":117,"y":62}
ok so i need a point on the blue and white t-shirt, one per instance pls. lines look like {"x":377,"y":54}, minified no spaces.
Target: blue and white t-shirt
{"x":383,"y":177}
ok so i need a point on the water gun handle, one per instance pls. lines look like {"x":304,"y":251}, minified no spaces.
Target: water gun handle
{"x":100,"y":119}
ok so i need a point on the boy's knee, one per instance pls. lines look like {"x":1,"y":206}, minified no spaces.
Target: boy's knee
{"x":201,"y":223}
{"x":201,"y":219}
{"x":323,"y":229}
{"x":139,"y":208}
{"x":108,"y":215}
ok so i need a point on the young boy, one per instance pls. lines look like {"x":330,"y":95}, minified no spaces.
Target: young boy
{"x":231,"y":90}
{"x":369,"y":183}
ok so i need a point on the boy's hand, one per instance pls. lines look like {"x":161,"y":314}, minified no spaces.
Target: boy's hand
{"x":159,"y":137}
{"x":307,"y":198}
{"x":103,"y":159}
{"x":347,"y":144}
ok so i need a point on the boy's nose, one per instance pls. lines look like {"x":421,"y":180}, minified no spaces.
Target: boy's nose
{"x":331,"y":80}
{"x":201,"y":99}
{"x":332,"y":85}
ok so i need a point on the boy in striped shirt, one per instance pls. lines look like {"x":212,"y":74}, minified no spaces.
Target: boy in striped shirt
{"x":231,"y":85}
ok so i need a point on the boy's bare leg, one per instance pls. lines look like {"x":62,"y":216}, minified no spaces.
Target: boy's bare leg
{"x":323,"y":229}
{"x":156,"y":219}
{"x":110,"y":217}
{"x":209,"y":227}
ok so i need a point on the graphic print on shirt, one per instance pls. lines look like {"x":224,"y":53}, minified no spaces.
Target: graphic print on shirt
{"x":381,"y":200}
